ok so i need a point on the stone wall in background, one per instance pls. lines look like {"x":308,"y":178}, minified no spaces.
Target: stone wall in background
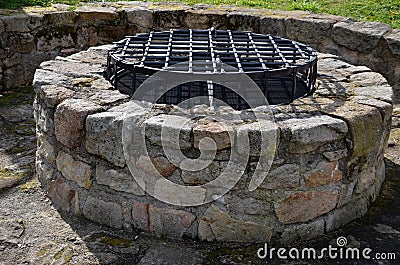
{"x":30,"y":37}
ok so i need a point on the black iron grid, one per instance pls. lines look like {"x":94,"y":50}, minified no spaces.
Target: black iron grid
{"x":283,"y":69}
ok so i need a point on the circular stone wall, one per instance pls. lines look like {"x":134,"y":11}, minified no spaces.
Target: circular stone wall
{"x":328,"y":166}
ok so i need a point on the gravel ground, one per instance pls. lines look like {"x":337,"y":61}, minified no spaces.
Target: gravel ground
{"x":32,"y":231}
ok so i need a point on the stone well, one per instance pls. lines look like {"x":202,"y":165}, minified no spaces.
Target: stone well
{"x":328,"y":165}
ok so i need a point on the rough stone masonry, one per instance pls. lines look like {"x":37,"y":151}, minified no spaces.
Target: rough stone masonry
{"x":327,"y":169}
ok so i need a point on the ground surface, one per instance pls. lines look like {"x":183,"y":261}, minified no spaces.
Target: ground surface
{"x":33,"y":232}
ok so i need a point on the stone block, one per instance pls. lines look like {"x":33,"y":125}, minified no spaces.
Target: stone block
{"x":205,"y":19}
{"x":217,"y":225}
{"x":381,"y":92}
{"x":303,"y":232}
{"x":54,"y":95}
{"x":283,"y":177}
{"x":140,"y":216}
{"x":104,"y":136}
{"x":61,"y":194}
{"x":169,"y":131}
{"x":103,"y":212}
{"x":44,"y":77}
{"x":155,"y":166}
{"x":365,"y":126}
{"x":359,"y":36}
{"x":308,"y":30}
{"x":222,"y":134}
{"x":345,"y":214}
{"x":263,"y":137}
{"x":22,"y":43}
{"x":119,"y":180}
{"x":273,"y":25}
{"x":243,"y":21}
{"x":393,"y":41}
{"x":304,"y":206}
{"x":73,"y":69}
{"x":367,"y":79}
{"x":60,"y":18}
{"x":141,"y":17}
{"x":74,"y":170}
{"x":69,"y":120}
{"x":308,"y":134}
{"x":170,"y":222}
{"x":45,"y":149}
{"x":323,"y":174}
{"x":108,"y":97}
{"x":16,"y":23}
{"x":97,"y":15}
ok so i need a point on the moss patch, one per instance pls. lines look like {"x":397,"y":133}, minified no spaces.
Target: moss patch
{"x":115,"y":241}
{"x":23,"y":95}
{"x":29,"y":186}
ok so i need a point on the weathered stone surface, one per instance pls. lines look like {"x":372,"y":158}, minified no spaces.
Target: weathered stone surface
{"x":346,"y":193}
{"x":74,"y":170}
{"x":169,"y":131}
{"x":359,"y":36}
{"x":367,"y":79}
{"x":347,"y":213}
{"x":44,"y":77}
{"x":217,"y":225}
{"x":263,"y":136}
{"x":54,"y":95}
{"x":45,"y":149}
{"x":103,"y":136}
{"x":118,"y":180}
{"x":220,"y":133}
{"x":104,"y":212}
{"x":69,"y":120}
{"x":243,"y":21}
{"x":382,"y":92}
{"x":285,"y":176}
{"x":273,"y":25}
{"x":74,"y":69}
{"x":47,"y":43}
{"x":335,"y":155}
{"x":365,"y":179}
{"x":324,"y":173}
{"x":308,"y":134}
{"x":61,"y":194}
{"x":393,"y":40}
{"x":247,"y":206}
{"x":96,"y":15}
{"x":171,"y":222}
{"x":304,"y":206}
{"x":365,"y":125}
{"x":303,"y":231}
{"x":107,"y":97}
{"x":204,"y":175}
{"x":140,"y":216}
{"x":155,"y":166}
{"x":161,"y":221}
{"x":141,"y":17}
{"x":308,"y":30}
{"x":17,"y":23}
{"x":22,"y":43}
{"x":205,"y":19}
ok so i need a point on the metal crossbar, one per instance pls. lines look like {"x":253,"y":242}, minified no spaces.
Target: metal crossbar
{"x":284,"y":69}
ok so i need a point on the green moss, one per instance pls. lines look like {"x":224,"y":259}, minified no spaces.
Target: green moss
{"x":30,"y":185}
{"x":115,"y":241}
{"x":15,"y":97}
{"x":17,"y":150}
{"x":43,"y":251}
{"x":66,"y":253}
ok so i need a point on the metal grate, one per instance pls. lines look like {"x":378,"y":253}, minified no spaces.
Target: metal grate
{"x":283,"y":69}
